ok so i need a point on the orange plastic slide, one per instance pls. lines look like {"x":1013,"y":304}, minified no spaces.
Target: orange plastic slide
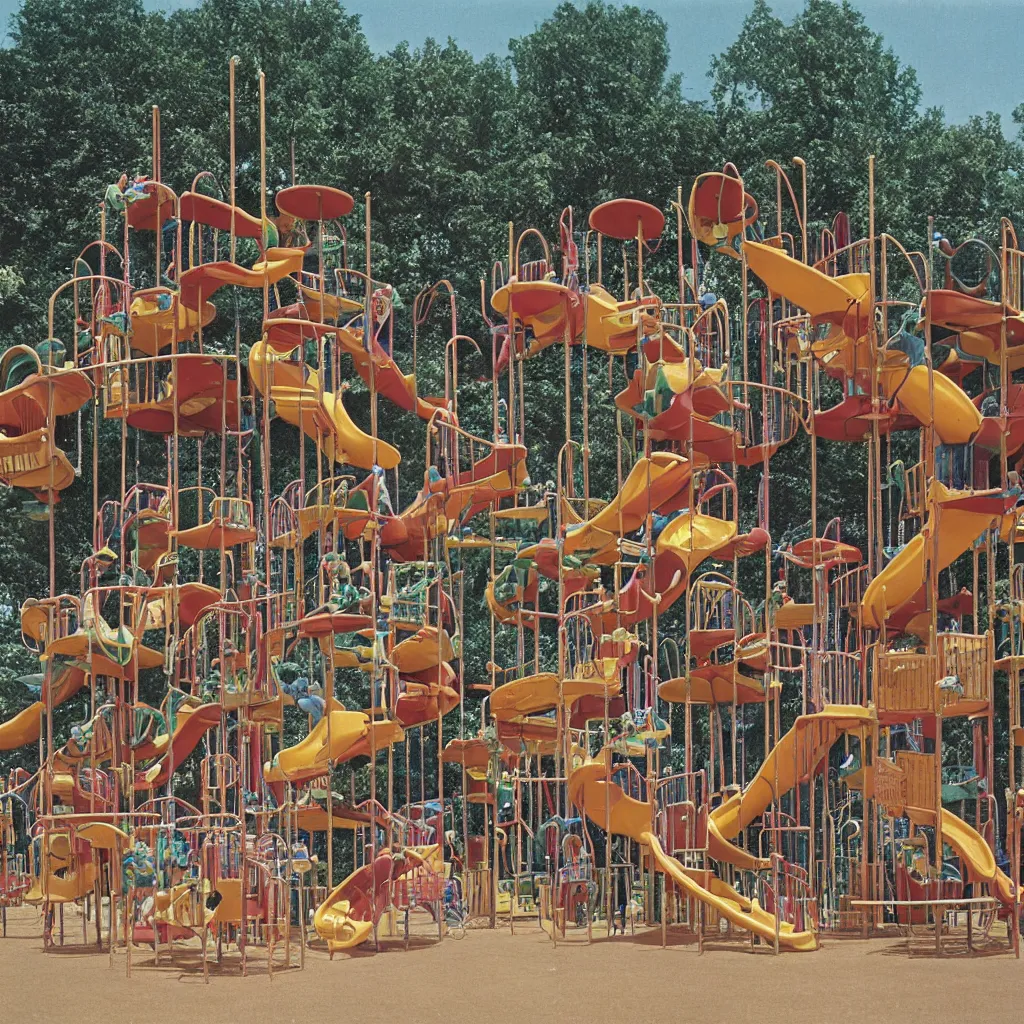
{"x":24,"y":727}
{"x":388,"y":379}
{"x":28,"y":456}
{"x":682,"y":545}
{"x":535,"y":694}
{"x":199,"y":283}
{"x":188,"y":731}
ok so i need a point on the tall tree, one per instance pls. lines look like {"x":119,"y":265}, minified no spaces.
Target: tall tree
{"x":596,"y":97}
{"x":823,"y":87}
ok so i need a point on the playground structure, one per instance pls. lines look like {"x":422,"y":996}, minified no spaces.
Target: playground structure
{"x":690,"y":718}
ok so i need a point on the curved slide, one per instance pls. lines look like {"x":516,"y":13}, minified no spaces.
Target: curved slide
{"x":192,"y":724}
{"x":295,"y":391}
{"x":539,"y":693}
{"x":388,"y":379}
{"x":685,"y":542}
{"x":24,"y":727}
{"x":312,"y":755}
{"x":792,"y":759}
{"x":650,"y":485}
{"x":962,"y":518}
{"x":845,"y":301}
{"x":956,"y":418}
{"x":972,"y":849}
{"x":200,"y":282}
{"x":609,"y":807}
{"x":827,"y":298}
{"x":351,"y":734}
{"x":346,"y":918}
{"x":744,"y":913}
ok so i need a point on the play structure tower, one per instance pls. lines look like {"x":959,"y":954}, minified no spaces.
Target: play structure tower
{"x":622,"y":689}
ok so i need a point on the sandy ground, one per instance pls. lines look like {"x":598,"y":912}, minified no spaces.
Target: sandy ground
{"x":496,"y":977}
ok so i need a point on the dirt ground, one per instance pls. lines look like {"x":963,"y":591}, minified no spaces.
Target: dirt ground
{"x":497,"y":977}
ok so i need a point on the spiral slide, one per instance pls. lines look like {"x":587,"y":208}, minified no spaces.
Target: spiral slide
{"x":845,"y":302}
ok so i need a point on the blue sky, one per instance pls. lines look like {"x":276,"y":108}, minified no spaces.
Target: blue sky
{"x":967,"y":53}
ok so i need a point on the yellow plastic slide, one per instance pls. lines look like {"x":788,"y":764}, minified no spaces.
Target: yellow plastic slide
{"x":295,"y":391}
{"x":609,"y":807}
{"x":957,"y":418}
{"x":845,"y":302}
{"x":351,"y":733}
{"x":693,"y":537}
{"x":903,"y":577}
{"x":650,"y":483}
{"x":311,"y":755}
{"x":605,"y":803}
{"x":744,"y":913}
{"x":972,"y":849}
{"x":791,"y":759}
{"x":535,"y":694}
{"x":23,"y":728}
{"x":345,"y":919}
{"x":829,"y":298}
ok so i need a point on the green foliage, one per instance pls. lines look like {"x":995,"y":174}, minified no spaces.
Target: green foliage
{"x":826,"y":88}
{"x":595,"y":96}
